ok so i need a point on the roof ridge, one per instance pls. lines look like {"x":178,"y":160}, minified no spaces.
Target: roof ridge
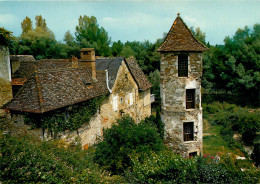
{"x":180,"y":38}
{"x":192,"y":33}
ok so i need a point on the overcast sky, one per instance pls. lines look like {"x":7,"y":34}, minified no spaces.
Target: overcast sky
{"x":135,"y":19}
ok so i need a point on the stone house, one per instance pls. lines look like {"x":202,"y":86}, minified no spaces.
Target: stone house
{"x":180,"y":88}
{"x":42,"y":86}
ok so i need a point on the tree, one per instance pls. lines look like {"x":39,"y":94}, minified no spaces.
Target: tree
{"x":40,"y":22}
{"x":117,"y":48}
{"x":39,"y":41}
{"x":26,"y":25}
{"x":201,"y":36}
{"x":6,"y":37}
{"x":234,"y":67}
{"x":89,"y":34}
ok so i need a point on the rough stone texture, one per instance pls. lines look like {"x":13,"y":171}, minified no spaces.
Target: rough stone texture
{"x":173,"y":95}
{"x":90,"y":133}
{"x":5,"y":68}
{"x":5,"y":77}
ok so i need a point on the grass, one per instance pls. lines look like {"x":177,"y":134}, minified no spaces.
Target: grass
{"x":214,"y":143}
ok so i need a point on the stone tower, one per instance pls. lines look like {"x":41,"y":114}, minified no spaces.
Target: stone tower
{"x":181,"y":72}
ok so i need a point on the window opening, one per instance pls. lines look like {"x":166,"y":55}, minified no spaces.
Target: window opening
{"x":183,"y":65}
{"x":188,"y":131}
{"x":193,"y":154}
{"x":190,"y":98}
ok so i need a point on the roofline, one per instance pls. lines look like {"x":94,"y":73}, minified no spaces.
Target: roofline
{"x":43,"y":111}
{"x":134,"y":77}
{"x":158,"y":50}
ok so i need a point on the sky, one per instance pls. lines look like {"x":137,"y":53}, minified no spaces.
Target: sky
{"x":135,"y":20}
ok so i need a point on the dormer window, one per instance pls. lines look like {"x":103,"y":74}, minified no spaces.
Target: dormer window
{"x":182,"y":65}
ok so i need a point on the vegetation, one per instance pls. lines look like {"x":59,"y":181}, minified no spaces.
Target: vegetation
{"x":228,"y":128}
{"x":124,"y":138}
{"x":28,"y":160}
{"x":134,"y":152}
{"x":234,"y":67}
{"x":66,"y":118}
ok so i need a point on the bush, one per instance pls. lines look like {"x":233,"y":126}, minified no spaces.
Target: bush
{"x":122,"y":139}
{"x":25,"y":159}
{"x":167,"y":167}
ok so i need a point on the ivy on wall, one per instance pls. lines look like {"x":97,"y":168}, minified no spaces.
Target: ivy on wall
{"x":68,"y":118}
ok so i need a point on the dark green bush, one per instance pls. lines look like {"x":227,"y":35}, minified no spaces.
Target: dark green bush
{"x":25,"y":159}
{"x":122,"y":139}
{"x":167,"y":167}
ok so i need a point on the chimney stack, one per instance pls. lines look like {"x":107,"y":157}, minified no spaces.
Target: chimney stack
{"x":88,"y":57}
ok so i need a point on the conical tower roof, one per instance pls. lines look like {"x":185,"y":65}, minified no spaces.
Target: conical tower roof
{"x":180,"y":38}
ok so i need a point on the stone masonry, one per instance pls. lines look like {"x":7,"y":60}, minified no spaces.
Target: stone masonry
{"x":183,"y":123}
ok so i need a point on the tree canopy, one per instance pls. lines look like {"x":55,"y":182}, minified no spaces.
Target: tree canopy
{"x":90,"y":35}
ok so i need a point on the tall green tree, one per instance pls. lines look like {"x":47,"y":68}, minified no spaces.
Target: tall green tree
{"x":89,"y":34}
{"x":26,"y":25}
{"x":39,"y":41}
{"x":235,"y":66}
{"x":40,"y":22}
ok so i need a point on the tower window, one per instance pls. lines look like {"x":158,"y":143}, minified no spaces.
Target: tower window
{"x":190,"y":98}
{"x":183,"y":65}
{"x":188,"y":133}
{"x":193,"y":154}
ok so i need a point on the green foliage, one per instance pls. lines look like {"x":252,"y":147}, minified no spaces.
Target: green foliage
{"x":156,"y":122}
{"x":6,"y":37}
{"x":27,"y":160}
{"x":234,"y":67}
{"x":26,"y":25}
{"x":40,"y":22}
{"x":167,"y":167}
{"x":199,"y":35}
{"x":90,"y":35}
{"x":70,"y":118}
{"x":154,"y":78}
{"x":123,"y":138}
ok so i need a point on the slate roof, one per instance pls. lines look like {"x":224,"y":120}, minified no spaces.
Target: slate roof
{"x":110,"y":64}
{"x":53,"y":83}
{"x":180,"y":38}
{"x":139,"y":76}
{"x":47,"y":90}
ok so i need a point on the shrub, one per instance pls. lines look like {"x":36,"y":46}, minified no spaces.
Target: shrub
{"x":25,"y":159}
{"x":123,"y":138}
{"x":167,"y":167}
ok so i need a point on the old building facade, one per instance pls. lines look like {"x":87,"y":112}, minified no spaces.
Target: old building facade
{"x":180,"y":87}
{"x":43,"y":86}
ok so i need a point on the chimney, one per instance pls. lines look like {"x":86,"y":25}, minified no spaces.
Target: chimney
{"x":75,"y":63}
{"x":87,"y":56}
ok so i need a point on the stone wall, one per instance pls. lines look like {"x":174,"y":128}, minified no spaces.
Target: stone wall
{"x":173,"y":95}
{"x":5,"y":77}
{"x":139,"y":107}
{"x":5,"y":68}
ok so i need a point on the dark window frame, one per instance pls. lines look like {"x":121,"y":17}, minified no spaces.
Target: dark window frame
{"x":190,"y":98}
{"x":183,"y":65}
{"x":188,"y":131}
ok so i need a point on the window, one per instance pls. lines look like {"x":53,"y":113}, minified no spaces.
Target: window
{"x":114,"y":103}
{"x":188,"y":131}
{"x":121,"y":100}
{"x":190,"y":98}
{"x":193,"y":154}
{"x":183,"y":65}
{"x":131,"y":99}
